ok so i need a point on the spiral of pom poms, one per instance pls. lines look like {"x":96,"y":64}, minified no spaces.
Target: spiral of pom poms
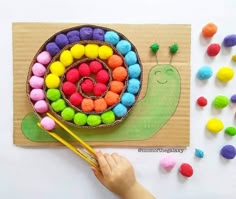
{"x":86,"y":76}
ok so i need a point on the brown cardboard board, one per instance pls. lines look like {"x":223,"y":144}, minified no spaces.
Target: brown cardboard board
{"x":28,"y":37}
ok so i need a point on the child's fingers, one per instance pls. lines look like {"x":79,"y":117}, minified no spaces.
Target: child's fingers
{"x":98,"y":174}
{"x":110,"y":161}
{"x":104,"y":166}
{"x":116,"y":157}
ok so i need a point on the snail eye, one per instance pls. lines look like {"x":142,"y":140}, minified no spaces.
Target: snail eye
{"x":157,"y":72}
{"x":169,"y":71}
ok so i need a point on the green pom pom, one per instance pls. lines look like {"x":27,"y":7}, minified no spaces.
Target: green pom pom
{"x":94,"y":120}
{"x":230,"y":131}
{"x":68,"y":114}
{"x":53,"y":94}
{"x":174,"y":48}
{"x":59,"y":105}
{"x":154,"y":48}
{"x":80,"y":119}
{"x":108,"y":117}
{"x":220,"y":101}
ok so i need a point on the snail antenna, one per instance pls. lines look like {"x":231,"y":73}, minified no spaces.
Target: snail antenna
{"x":173,"y":50}
{"x":154,"y":48}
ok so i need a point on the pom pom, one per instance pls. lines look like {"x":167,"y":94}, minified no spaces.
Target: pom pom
{"x":37,"y":94}
{"x":68,"y":88}
{"x":231,"y":131}
{"x":128,"y":99}
{"x":154,"y":48}
{"x":68,"y":114}
{"x":80,"y":119}
{"x":44,"y":58}
{"x":111,"y":98}
{"x":168,"y":163}
{"x":47,"y":123}
{"x":111,"y":37}
{"x":215,"y":125}
{"x":233,"y":98}
{"x":134,"y":71}
{"x":220,"y":101}
{"x":66,"y":58}
{"x":73,"y":36}
{"x":117,"y":86}
{"x":52,"y":48}
{"x":229,"y":40}
{"x":53,"y":94}
{"x":186,"y":170}
{"x":61,"y":40}
{"x":52,"y":81}
{"x":133,"y":86}
{"x":174,"y":48}
{"x":209,"y":30}
{"x":36,"y":82}
{"x":38,"y":69}
{"x":87,"y":105}
{"x":202,"y":101}
{"x":76,"y":99}
{"x":86,"y":33}
{"x":57,"y":68}
{"x":94,"y":120}
{"x":72,"y":75}
{"x":213,"y":49}
{"x":87,"y":86}
{"x":204,"y":73}
{"x":91,"y":50}
{"x":225,"y":74}
{"x":84,"y":70}
{"x":98,"y":34}
{"x":131,"y":58}
{"x":95,"y":66}
{"x":104,"y":52}
{"x":59,"y":105}
{"x":102,"y":76}
{"x":41,"y":106}
{"x":108,"y":117}
{"x":77,"y":51}
{"x":123,"y":46}
{"x":228,"y":152}
{"x":199,"y":153}
{"x":114,"y":61}
{"x":99,"y":89}
{"x":234,"y":58}
{"x":100,"y":105}
{"x":119,"y":73}
{"x":120,"y":110}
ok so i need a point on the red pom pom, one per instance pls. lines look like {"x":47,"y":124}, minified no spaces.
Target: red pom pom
{"x":68,"y":88}
{"x":95,"y":66}
{"x":213,"y":50}
{"x":72,"y":75}
{"x":76,"y":99}
{"x":202,"y":101}
{"x":102,"y":76}
{"x":186,"y":170}
{"x":84,"y":70}
{"x":99,"y":89}
{"x":87,"y":86}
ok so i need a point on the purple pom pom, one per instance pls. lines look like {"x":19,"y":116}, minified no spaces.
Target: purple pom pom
{"x":86,"y":33}
{"x":61,"y":40}
{"x":98,"y":34}
{"x":228,"y":152}
{"x":233,"y":98}
{"x":229,"y":41}
{"x":73,"y":36}
{"x":52,"y":48}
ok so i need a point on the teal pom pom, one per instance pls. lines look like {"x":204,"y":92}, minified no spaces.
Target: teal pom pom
{"x":134,"y":71}
{"x":111,"y":37}
{"x":133,"y":86}
{"x":204,"y":73}
{"x":123,"y":47}
{"x":131,"y":58}
{"x":199,"y":153}
{"x":120,"y":110}
{"x":128,"y":99}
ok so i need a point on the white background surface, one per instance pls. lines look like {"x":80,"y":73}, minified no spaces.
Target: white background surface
{"x":29,"y":173}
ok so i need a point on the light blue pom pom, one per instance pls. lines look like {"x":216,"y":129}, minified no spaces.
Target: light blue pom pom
{"x":199,"y":153}
{"x":204,"y":73}
{"x":127,"y":99}
{"x":123,"y":46}
{"x":134,"y":71}
{"x":111,"y":37}
{"x":133,"y":86}
{"x":120,"y":110}
{"x":131,"y":58}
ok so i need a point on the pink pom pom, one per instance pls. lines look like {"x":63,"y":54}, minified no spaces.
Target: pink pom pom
{"x":38,"y":69}
{"x":44,"y":58}
{"x":41,"y":106}
{"x":37,"y":94}
{"x":36,"y":82}
{"x":47,"y":123}
{"x":168,"y":163}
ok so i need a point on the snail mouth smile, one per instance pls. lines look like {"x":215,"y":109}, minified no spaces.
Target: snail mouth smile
{"x":162,"y":82}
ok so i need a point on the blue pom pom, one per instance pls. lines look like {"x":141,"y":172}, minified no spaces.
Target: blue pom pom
{"x":204,"y":73}
{"x":128,"y":99}
{"x":52,"y":48}
{"x":134,"y":71}
{"x":111,"y":37}
{"x":123,"y":46}
{"x":120,"y":110}
{"x":61,"y":40}
{"x":73,"y":36}
{"x":98,"y":34}
{"x":133,"y":86}
{"x":131,"y":58}
{"x":86,"y":33}
{"x":230,"y":40}
{"x":199,"y":153}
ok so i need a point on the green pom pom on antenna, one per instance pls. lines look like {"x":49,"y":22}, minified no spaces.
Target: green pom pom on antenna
{"x":154,"y":47}
{"x":174,"y":48}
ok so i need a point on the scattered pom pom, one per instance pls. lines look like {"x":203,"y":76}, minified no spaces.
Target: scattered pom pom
{"x":84,"y":70}
{"x":225,"y":74}
{"x":52,"y":81}
{"x":47,"y":123}
{"x":231,"y":131}
{"x":73,"y":36}
{"x":68,"y":88}
{"x":86,"y":33}
{"x":95,"y":66}
{"x":72,"y":75}
{"x":123,"y":46}
{"x":99,"y":89}
{"x":233,"y":98}
{"x":119,"y":73}
{"x":120,"y":110}
{"x":68,"y":114}
{"x":104,"y":52}
{"x":220,"y":101}
{"x":41,"y":106}
{"x":133,"y":86}
{"x":228,"y":152}
{"x":134,"y":71}
{"x":44,"y":58}
{"x":98,"y":34}
{"x":234,"y":58}
{"x":53,"y":94}
{"x":76,"y":99}
{"x":154,"y":48}
{"x":215,"y":125}
{"x":87,"y":105}
{"x":204,"y":73}
{"x":36,"y":82}
{"x":213,"y":50}
{"x":174,"y":48}
{"x":202,"y":101}
{"x":52,"y":48}
{"x":186,"y":170}
{"x":127,"y":99}
{"x":115,"y":61}
{"x":38,"y":69}
{"x":91,"y":50}
{"x":131,"y":58}
{"x":87,"y":86}
{"x":108,"y":117}
{"x":209,"y":30}
{"x":59,"y":105}
{"x":66,"y":58}
{"x":61,"y":40}
{"x":37,"y":94}
{"x":199,"y":153}
{"x":102,"y":76}
{"x":111,"y":98}
{"x":80,"y":119}
{"x":100,"y":105}
{"x":168,"y":163}
{"x":57,"y":68}
{"x":229,"y":40}
{"x":111,"y":37}
{"x":116,"y":86}
{"x":77,"y":51}
{"x":94,"y":120}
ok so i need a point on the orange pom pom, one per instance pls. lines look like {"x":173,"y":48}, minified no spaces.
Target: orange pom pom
{"x":111,"y":98}
{"x":116,"y":86}
{"x":100,"y":105}
{"x":115,"y":61}
{"x":119,"y":74}
{"x":87,"y":105}
{"x":209,"y":30}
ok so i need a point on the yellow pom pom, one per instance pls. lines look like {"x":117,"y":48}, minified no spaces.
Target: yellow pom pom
{"x":234,"y":58}
{"x":91,"y":50}
{"x":77,"y":51}
{"x":66,"y":58}
{"x":57,"y":68}
{"x":52,"y":81}
{"x":215,"y":125}
{"x":105,"y":52}
{"x":225,"y":74}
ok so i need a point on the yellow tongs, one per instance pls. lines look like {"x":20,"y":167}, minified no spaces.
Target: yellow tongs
{"x":88,"y":154}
